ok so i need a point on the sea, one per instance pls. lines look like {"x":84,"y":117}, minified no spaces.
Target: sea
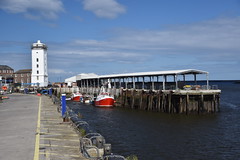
{"x":161,"y":136}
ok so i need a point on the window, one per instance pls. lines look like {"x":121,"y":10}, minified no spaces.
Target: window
{"x":15,"y":75}
{"x":37,"y":78}
{"x":21,"y":75}
{"x":37,"y":59}
{"x":37,"y":72}
{"x":37,"y":65}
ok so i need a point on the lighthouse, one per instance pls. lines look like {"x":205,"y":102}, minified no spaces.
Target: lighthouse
{"x":39,"y":64}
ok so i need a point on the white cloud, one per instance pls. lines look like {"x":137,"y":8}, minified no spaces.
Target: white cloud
{"x":215,"y":41}
{"x":37,"y":9}
{"x":202,"y":45}
{"x":104,"y":8}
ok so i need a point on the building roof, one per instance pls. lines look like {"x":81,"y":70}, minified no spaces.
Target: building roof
{"x":153,"y":73}
{"x":23,"y":71}
{"x":71,"y":79}
{"x":5,"y":67}
{"x":81,"y":76}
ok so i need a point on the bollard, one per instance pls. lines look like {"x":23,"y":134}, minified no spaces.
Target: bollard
{"x":107,"y":149}
{"x":50,"y":92}
{"x":63,"y":102}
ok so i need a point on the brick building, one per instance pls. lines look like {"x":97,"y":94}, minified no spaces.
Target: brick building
{"x":23,"y":77}
{"x":6,"y":73}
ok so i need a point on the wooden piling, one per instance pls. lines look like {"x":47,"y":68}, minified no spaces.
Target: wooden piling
{"x":133,"y":98}
{"x":176,"y":101}
{"x":187,"y":104}
{"x":159,"y":101}
{"x":141,"y":99}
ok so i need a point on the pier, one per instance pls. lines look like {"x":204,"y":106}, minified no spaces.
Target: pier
{"x":175,"y":91}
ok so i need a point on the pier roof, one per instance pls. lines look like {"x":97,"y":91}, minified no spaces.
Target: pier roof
{"x":156,"y":73}
{"x":153,"y":73}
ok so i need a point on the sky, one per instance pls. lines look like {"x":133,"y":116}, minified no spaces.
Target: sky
{"x":123,"y":36}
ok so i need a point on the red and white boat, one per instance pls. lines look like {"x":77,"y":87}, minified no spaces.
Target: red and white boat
{"x":76,"y":97}
{"x":104,"y":99}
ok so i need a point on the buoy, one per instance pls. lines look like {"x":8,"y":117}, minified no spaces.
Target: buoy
{"x":39,"y":94}
{"x":4,"y":88}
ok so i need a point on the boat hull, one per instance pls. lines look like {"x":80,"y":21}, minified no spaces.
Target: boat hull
{"x":76,"y":99}
{"x":106,"y":102}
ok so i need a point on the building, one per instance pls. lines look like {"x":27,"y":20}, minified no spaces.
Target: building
{"x":23,"y":77}
{"x":72,"y":81}
{"x":6,"y":74}
{"x":39,"y":65}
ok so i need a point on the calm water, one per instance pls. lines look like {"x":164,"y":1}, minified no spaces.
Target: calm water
{"x":160,"y":136}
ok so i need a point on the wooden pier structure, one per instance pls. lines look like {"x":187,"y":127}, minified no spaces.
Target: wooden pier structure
{"x":175,"y":91}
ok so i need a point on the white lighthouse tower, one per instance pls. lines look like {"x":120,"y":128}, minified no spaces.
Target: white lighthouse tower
{"x":39,"y":65}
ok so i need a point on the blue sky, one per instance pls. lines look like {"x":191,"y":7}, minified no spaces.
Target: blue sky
{"x":122,"y":36}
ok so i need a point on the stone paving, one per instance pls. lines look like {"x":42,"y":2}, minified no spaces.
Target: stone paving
{"x":58,"y":139}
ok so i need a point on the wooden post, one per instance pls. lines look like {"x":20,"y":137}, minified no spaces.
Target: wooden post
{"x":187,"y":104}
{"x":141,"y":99}
{"x":218,"y":103}
{"x":125,"y":98}
{"x":163,"y":103}
{"x":133,"y":98}
{"x":122,"y":97}
{"x":214,"y":99}
{"x":202,"y":103}
{"x":159,"y":101}
{"x":170,"y":103}
{"x":180,"y":104}
{"x":151,"y":102}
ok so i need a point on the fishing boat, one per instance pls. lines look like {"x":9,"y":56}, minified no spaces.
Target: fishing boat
{"x":76,"y":97}
{"x":104,"y":99}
